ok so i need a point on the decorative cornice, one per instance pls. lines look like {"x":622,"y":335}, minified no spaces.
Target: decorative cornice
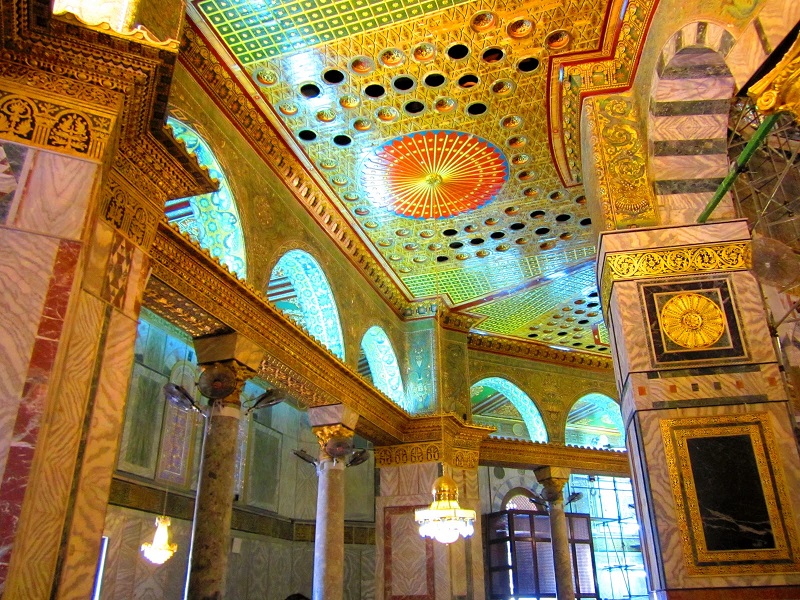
{"x":670,"y":262}
{"x":293,"y":360}
{"x":122,"y":76}
{"x":539,"y":352}
{"x":516,"y":454}
{"x":206,"y":67}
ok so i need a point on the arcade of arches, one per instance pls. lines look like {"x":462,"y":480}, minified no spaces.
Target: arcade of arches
{"x":269,"y":268}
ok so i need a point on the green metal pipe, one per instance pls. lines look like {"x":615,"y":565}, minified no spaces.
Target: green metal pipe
{"x":741,"y":161}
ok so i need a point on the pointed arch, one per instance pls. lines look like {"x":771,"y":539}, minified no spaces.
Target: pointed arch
{"x":595,"y":420}
{"x":299,"y":288}
{"x":531,"y":416}
{"x":211,"y":219}
{"x":382,"y":365}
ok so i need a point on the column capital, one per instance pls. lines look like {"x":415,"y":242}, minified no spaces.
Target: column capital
{"x":778,"y":90}
{"x":553,"y":479}
{"x":222,"y":382}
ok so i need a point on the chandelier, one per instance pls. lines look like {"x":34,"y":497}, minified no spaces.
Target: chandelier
{"x":445,"y":520}
{"x":160,"y":550}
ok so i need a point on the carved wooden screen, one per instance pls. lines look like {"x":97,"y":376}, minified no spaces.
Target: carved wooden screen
{"x":519,"y":556}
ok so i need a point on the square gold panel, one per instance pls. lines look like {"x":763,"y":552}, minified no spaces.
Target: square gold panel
{"x":691,"y":322}
{"x":733,"y":508}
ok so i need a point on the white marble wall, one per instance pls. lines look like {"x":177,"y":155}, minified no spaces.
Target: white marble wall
{"x":259,"y":568}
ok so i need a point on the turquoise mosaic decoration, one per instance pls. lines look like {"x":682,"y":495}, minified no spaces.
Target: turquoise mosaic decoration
{"x":383,"y":365}
{"x":520,"y":400}
{"x":318,"y":312}
{"x":211,"y":219}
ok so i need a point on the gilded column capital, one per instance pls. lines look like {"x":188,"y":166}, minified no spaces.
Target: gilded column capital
{"x":779,"y":90}
{"x":335,"y":440}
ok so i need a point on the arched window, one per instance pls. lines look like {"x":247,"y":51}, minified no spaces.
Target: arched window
{"x":595,"y":421}
{"x":300,"y":289}
{"x":211,"y":219}
{"x":382,"y":365}
{"x":498,"y":402}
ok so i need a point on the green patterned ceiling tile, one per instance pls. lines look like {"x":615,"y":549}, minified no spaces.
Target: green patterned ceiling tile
{"x":514,"y":314}
{"x":257,"y":29}
{"x":465,"y":284}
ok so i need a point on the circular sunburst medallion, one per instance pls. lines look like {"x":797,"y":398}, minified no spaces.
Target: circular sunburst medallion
{"x":520,"y":159}
{"x":326,"y":116}
{"x":392,"y":57}
{"x":434,"y":174}
{"x":351,"y":196}
{"x":362,"y":124}
{"x":518,"y":141}
{"x":339,"y":180}
{"x":424,"y":52}
{"x":692,"y":321}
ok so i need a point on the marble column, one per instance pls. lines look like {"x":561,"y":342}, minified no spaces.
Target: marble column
{"x":331,"y":424}
{"x":553,"y":479}
{"x":714,"y":460}
{"x":209,"y":559}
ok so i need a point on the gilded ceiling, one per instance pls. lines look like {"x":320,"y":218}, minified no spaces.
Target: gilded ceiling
{"x":432,"y":122}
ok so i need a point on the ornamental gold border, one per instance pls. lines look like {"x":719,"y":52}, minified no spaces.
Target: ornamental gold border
{"x":425,"y":452}
{"x":756,"y":426}
{"x":671,"y":262}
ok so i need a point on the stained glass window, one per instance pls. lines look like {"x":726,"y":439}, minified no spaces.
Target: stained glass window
{"x":595,"y":421}
{"x":523,"y":404}
{"x":300,"y":289}
{"x":211,"y":219}
{"x":383,"y":365}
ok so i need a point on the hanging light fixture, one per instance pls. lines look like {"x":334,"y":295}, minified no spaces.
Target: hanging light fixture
{"x":445,"y":520}
{"x":160,"y":550}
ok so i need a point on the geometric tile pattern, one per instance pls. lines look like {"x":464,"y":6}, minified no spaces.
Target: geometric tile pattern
{"x":259,"y":30}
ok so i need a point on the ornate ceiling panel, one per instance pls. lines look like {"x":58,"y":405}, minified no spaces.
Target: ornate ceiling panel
{"x":430,"y":121}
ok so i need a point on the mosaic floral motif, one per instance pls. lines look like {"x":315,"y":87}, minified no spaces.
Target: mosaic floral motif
{"x":318,"y":312}
{"x":434,"y":174}
{"x":211,"y":219}
{"x":520,"y":400}
{"x":383,"y":365}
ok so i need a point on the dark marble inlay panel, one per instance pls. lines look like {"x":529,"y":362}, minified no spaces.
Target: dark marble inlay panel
{"x":730,"y":497}
{"x":690,"y":107}
{"x":695,"y":71}
{"x":687,"y":186}
{"x":690,"y":147}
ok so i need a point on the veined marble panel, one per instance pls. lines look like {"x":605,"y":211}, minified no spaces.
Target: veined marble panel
{"x":746,"y":56}
{"x":56,"y":194}
{"x":690,"y":167}
{"x":663,"y":503}
{"x":32,"y":460}
{"x":99,"y":453}
{"x":20,"y":313}
{"x":777,"y":18}
{"x":695,"y":127}
{"x":708,"y":88}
